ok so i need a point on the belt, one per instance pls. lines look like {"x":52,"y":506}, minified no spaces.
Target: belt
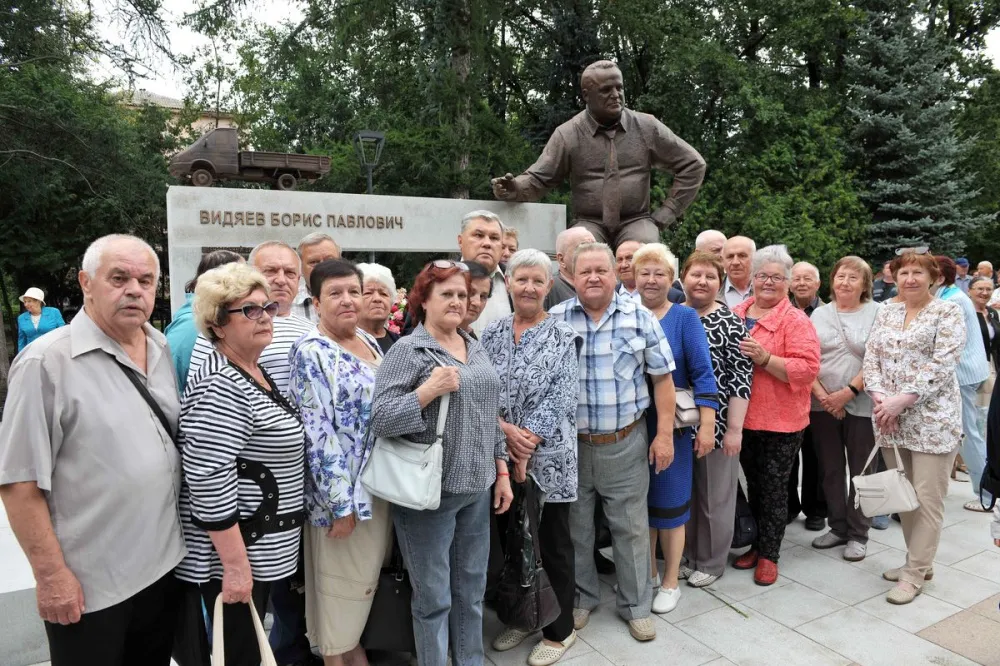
{"x":608,"y":438}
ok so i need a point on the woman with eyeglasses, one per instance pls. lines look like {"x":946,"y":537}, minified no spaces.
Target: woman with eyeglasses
{"x":446,"y":549}
{"x":242,"y":451}
{"x":785,"y":352}
{"x":332,"y":385}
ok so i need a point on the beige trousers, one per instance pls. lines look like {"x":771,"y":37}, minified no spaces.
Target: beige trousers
{"x":341,"y":577}
{"x":929,"y":474}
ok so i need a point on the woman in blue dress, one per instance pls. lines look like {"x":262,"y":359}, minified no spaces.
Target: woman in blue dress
{"x":670,"y":490}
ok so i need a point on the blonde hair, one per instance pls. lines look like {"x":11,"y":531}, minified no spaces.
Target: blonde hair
{"x":655,"y":253}
{"x":220,"y":287}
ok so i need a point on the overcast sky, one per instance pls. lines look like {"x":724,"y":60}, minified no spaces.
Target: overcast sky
{"x":170,"y":83}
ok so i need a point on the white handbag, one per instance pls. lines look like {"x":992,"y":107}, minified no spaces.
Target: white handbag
{"x":686,"y":412}
{"x":408,"y":473}
{"x":218,"y":636}
{"x":885,"y":492}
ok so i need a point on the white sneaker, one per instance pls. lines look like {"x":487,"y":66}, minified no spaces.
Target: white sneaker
{"x":666,"y":600}
{"x":509,"y":638}
{"x":699,"y":579}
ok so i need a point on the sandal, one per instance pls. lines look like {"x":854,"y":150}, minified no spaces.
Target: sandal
{"x":975,"y":505}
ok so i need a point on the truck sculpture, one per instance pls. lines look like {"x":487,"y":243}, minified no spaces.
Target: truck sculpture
{"x":217,"y":156}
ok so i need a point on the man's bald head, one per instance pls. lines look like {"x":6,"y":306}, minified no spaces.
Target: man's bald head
{"x":566,"y":244}
{"x":710,"y":240}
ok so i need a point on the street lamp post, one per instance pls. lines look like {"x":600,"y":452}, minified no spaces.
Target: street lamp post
{"x":368,"y":145}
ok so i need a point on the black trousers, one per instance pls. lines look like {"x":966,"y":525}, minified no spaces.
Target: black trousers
{"x":556,"y":546}
{"x":767,"y":460}
{"x":812,"y":504}
{"x":139,"y":630}
{"x":237,"y":623}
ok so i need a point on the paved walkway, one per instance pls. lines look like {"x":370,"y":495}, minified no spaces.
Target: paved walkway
{"x":822,"y":610}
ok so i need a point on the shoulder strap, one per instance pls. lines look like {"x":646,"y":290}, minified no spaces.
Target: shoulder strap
{"x":144,"y":392}
{"x":843,"y":334}
{"x":445,"y":400}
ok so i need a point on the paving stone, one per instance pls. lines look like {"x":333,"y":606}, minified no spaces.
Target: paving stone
{"x":970,"y":634}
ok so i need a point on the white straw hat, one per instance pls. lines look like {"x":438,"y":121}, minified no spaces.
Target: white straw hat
{"x":33,"y":292}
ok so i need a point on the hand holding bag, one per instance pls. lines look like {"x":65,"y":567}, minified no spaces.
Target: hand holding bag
{"x":218,"y":637}
{"x":885,"y":492}
{"x":408,"y":473}
{"x":525,"y":599}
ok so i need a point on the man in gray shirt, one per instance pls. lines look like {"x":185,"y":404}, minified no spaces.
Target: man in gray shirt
{"x":89,"y":474}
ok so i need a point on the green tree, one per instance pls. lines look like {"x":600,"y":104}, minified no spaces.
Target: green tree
{"x":902,"y":135}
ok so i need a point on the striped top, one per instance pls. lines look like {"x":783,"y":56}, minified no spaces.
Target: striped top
{"x":229,"y":425}
{"x":973,"y":367}
{"x":274,"y":358}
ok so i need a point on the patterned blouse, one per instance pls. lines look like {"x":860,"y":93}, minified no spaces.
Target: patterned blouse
{"x":919,"y":359}
{"x":733,"y":370}
{"x":539,"y":388}
{"x":333,"y":389}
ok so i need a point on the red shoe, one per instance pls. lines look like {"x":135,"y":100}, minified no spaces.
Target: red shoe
{"x":747,"y":560}
{"x":766,"y":573}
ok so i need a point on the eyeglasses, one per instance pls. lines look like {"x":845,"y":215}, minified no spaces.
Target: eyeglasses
{"x":448,"y":263}
{"x":765,"y":278}
{"x":254,"y":311}
{"x":920,"y":249}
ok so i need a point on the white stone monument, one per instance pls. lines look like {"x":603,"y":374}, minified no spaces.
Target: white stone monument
{"x":213,"y":217}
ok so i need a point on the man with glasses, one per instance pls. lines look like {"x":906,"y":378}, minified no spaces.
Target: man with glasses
{"x":89,"y":473}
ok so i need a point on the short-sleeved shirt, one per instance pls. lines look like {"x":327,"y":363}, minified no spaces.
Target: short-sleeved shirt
{"x":618,"y":352}
{"x":76,"y":426}
{"x":840,"y":359}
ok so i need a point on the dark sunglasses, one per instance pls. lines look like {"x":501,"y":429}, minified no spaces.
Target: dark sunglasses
{"x":254,"y":311}
{"x":448,"y":263}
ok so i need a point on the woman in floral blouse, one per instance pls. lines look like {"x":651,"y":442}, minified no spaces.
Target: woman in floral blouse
{"x":536,"y":358}
{"x":332,"y":382}
{"x":909,"y":372}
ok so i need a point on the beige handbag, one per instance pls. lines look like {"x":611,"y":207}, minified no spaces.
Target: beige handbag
{"x":686,"y":412}
{"x":885,"y":492}
{"x":218,"y":646}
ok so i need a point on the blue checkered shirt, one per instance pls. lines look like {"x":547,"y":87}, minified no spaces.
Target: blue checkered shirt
{"x":618,"y":352}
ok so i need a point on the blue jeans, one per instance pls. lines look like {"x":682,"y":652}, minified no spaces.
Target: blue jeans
{"x":446,"y":552}
{"x":974,"y":444}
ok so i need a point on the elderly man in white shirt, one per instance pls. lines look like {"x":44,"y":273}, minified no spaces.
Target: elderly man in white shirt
{"x":481,"y":240}
{"x":89,"y":472}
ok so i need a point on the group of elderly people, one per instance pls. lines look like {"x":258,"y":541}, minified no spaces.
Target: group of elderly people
{"x":613,"y":396}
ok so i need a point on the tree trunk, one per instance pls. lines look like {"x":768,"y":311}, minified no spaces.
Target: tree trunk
{"x":4,"y":360}
{"x":461,"y":65}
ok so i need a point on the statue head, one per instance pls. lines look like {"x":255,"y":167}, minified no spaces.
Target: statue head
{"x":603,"y":91}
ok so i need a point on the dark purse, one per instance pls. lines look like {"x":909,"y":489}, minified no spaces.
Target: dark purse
{"x":525,"y":599}
{"x":744,"y":526}
{"x":390,"y":622}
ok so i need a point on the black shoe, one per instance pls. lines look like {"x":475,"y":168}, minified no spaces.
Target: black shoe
{"x":815,"y":523}
{"x":896,"y":517}
{"x":604,"y":565}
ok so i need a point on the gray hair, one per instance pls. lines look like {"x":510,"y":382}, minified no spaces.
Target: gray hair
{"x":815,"y":271}
{"x":315,"y":238}
{"x":773,"y":254}
{"x":380,"y":274}
{"x":95,"y":253}
{"x":267,"y":244}
{"x":487,"y":215}
{"x":583,"y":248}
{"x":978,"y":279}
{"x":706,"y":236}
{"x":528,"y":258}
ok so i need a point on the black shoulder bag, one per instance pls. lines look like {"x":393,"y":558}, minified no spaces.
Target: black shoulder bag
{"x":144,"y":392}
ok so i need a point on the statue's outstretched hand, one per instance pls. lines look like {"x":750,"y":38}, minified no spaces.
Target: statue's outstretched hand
{"x":504,"y":187}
